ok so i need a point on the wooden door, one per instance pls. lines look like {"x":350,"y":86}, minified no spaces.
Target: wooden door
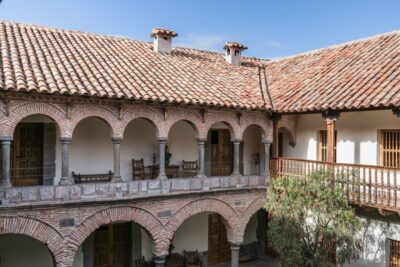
{"x":27,"y":155}
{"x":112,"y":246}
{"x":221,"y":153}
{"x":218,"y":245}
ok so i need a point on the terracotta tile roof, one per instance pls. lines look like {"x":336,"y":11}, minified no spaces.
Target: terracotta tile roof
{"x":358,"y":75}
{"x":51,"y":61}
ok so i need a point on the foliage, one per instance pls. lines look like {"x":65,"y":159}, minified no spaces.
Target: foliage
{"x":309,"y":214}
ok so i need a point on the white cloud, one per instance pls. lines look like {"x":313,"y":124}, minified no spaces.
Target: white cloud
{"x":201,"y":41}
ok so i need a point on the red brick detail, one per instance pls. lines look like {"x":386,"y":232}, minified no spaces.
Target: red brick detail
{"x":153,"y":115}
{"x":27,"y":109}
{"x":288,"y":123}
{"x":114,"y":215}
{"x":213,"y":205}
{"x":37,"y":230}
{"x":81,"y":112}
{"x":245,"y":217}
{"x":184,"y":115}
{"x":228,"y":118}
{"x":258,"y":119}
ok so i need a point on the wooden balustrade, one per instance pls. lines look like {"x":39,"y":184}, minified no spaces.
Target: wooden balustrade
{"x":366,"y":185}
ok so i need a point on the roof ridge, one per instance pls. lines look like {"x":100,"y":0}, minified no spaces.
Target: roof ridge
{"x":334,"y":46}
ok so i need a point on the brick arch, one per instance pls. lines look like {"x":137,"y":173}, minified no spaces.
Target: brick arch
{"x":150,"y":114}
{"x":245,"y":217}
{"x":22,"y":111}
{"x":259,"y":120}
{"x":288,"y":124}
{"x":227,"y":118}
{"x":114,"y":215}
{"x":220,"y":207}
{"x":184,"y":115}
{"x":37,"y":230}
{"x":86,"y":111}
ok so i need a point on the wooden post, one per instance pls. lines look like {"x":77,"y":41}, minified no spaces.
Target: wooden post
{"x":330,"y":118}
{"x":275,"y":118}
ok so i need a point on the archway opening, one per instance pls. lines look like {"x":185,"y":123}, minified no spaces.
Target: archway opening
{"x":139,"y":151}
{"x":23,"y":251}
{"x":181,"y":151}
{"x":203,"y":236}
{"x":91,"y":149}
{"x":122,"y":244}
{"x":34,"y":150}
{"x":253,"y":152}
{"x":219,"y":150}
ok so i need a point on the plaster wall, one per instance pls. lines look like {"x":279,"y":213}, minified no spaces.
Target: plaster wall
{"x":357,"y":136}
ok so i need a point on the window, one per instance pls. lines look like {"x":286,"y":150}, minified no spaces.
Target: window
{"x":323,"y":145}
{"x":390,"y":148}
{"x":394,"y":256}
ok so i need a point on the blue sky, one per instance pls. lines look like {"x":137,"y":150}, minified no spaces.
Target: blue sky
{"x":270,"y":29}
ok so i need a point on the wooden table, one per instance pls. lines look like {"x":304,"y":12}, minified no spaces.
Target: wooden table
{"x":171,"y":170}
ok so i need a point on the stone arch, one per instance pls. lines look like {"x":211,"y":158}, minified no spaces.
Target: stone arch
{"x":86,"y":111}
{"x":228,"y":119}
{"x":288,"y":124}
{"x":245,"y":217}
{"x":147,"y":113}
{"x":290,"y":135}
{"x":22,"y":111}
{"x":259,"y":120}
{"x":184,"y":115}
{"x":220,"y":207}
{"x":37,"y":230}
{"x":118,"y":214}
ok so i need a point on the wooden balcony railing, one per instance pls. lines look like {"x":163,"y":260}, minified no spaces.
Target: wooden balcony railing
{"x":365,"y":185}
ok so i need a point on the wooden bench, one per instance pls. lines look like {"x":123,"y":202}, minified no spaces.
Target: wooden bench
{"x":92,"y":178}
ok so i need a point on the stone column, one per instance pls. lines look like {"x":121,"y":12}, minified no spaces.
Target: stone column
{"x":117,"y":164}
{"x":200,"y":144}
{"x":5,"y":161}
{"x":330,"y":118}
{"x":65,"y":178}
{"x":236,"y":157}
{"x":267,"y":145}
{"x":159,"y":261}
{"x":162,"y":175}
{"x":235,"y":255}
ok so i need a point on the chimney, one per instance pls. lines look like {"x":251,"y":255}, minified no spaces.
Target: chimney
{"x":163,"y":40}
{"x":233,"y":52}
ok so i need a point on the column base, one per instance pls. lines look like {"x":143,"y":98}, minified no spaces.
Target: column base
{"x":66,"y":181}
{"x":236,"y":174}
{"x":116,"y":179}
{"x":201,"y":176}
{"x":5,"y":185}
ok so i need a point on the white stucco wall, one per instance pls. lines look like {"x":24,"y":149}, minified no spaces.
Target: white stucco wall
{"x":23,"y":251}
{"x":252,"y":143}
{"x":182,"y":143}
{"x":357,"y":136}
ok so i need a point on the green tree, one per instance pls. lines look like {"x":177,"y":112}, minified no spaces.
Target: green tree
{"x":310,"y":214}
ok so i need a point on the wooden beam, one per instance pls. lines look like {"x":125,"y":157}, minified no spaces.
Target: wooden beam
{"x":330,"y":119}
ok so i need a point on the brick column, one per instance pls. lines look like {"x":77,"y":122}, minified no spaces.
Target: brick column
{"x":117,"y":164}
{"x":162,"y":175}
{"x":267,"y":145}
{"x":5,"y":161}
{"x":200,"y":144}
{"x":275,"y":118}
{"x":159,"y":261}
{"x":236,"y":157}
{"x":330,"y":118}
{"x":65,"y":178}
{"x":235,"y":249}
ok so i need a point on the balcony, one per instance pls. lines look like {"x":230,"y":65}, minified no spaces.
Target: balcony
{"x":366,"y":185}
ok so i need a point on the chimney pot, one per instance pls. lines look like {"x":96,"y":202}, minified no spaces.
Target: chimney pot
{"x":162,"y":40}
{"x":233,"y":52}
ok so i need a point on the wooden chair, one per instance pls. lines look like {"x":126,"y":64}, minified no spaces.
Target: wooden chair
{"x":192,"y":259}
{"x":139,"y":170}
{"x":189,"y":168}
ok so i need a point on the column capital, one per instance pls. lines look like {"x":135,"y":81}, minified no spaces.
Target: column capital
{"x":116,"y":140}
{"x":330,"y":115}
{"x":235,"y":247}
{"x":237,"y":140}
{"x":160,"y":260}
{"x":396,"y":111}
{"x":6,"y":138}
{"x":162,"y":140}
{"x":201,"y":140}
{"x":266,"y":142}
{"x":65,"y":140}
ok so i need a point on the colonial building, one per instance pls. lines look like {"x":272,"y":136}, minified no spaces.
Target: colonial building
{"x":117,"y":152}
